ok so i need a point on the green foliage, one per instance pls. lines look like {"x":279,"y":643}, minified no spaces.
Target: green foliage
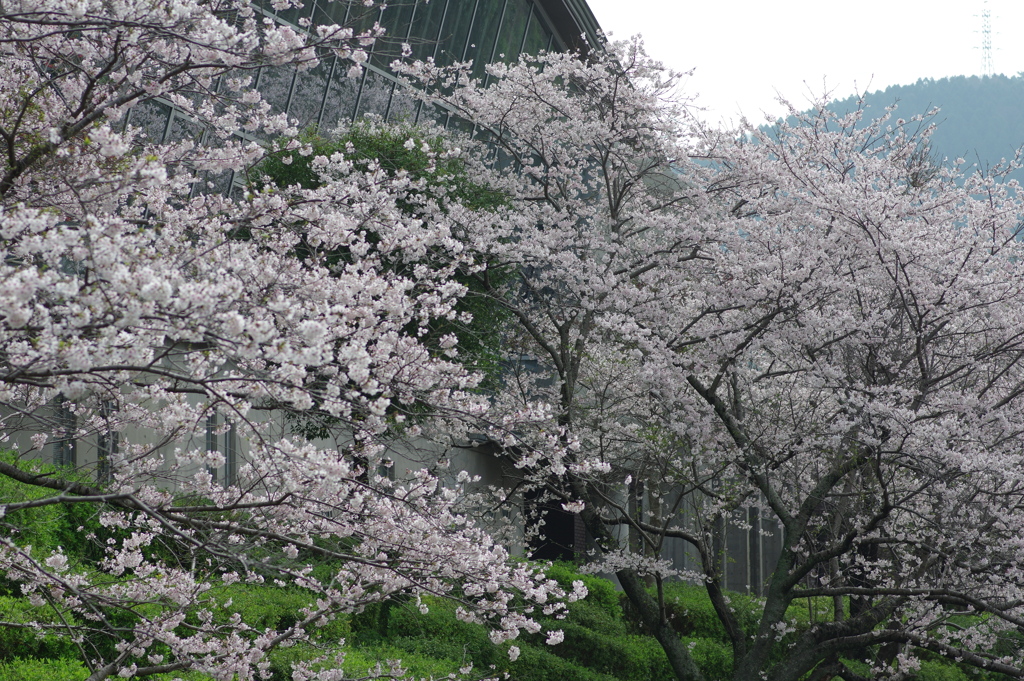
{"x":394,"y":148}
{"x":537,"y":664}
{"x":940,"y":670}
{"x":595,"y":617}
{"x":183,"y":676}
{"x":600,"y":592}
{"x":28,"y":669}
{"x":72,"y":527}
{"x":626,"y":657}
{"x":803,"y":612}
{"x":713,"y":657}
{"x":359,"y":663}
{"x":597,"y":646}
{"x":600,"y":643}
{"x":437,"y":631}
{"x":281,"y":659}
{"x":858,"y":667}
{"x":27,"y":641}
{"x":263,"y":607}
{"x":693,"y":616}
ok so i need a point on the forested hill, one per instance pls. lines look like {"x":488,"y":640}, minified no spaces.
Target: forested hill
{"x":981,"y":119}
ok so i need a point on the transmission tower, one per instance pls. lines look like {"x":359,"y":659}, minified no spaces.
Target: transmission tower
{"x":986,"y":40}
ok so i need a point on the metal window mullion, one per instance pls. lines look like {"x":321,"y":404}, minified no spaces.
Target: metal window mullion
{"x":230,"y":454}
{"x":529,"y":24}
{"x":469,"y":33}
{"x":211,"y":440}
{"x":359,"y":95}
{"x":291,"y":90}
{"x":497,"y":38}
{"x":327,"y":91}
{"x":391,"y":98}
{"x":440,"y":27}
{"x":168,"y":124}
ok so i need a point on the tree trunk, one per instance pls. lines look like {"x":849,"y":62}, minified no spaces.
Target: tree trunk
{"x":633,"y":585}
{"x":678,"y":655}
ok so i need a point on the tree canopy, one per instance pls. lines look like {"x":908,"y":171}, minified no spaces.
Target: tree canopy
{"x":814,"y":330}
{"x":813,"y":327}
{"x":140,"y":309}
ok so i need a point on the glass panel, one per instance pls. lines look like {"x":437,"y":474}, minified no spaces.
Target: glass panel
{"x":238,"y":191}
{"x":537,"y":36}
{"x":310,"y":87}
{"x":455,"y":30}
{"x":423,"y":37}
{"x":517,"y":14}
{"x":329,"y":12}
{"x":215,"y":183}
{"x":376,"y":94}
{"x":362,"y":18}
{"x":484,"y":34}
{"x":152,"y":117}
{"x":341,"y":98}
{"x":434,"y":114}
{"x":403,"y":106}
{"x":183,"y":129}
{"x":276,"y":85}
{"x":461,"y":125}
{"x":293,"y":15}
{"x":396,"y":19}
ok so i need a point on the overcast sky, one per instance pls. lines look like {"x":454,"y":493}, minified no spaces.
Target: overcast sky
{"x":743,"y":52}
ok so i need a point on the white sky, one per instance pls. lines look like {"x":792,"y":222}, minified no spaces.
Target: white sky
{"x":744,"y":52}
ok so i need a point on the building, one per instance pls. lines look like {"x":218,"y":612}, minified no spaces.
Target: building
{"x":443,"y":30}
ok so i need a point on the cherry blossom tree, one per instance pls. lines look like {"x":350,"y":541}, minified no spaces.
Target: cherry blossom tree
{"x":866,"y":384}
{"x":816,"y":324}
{"x":606,"y":210}
{"x":143,"y":306}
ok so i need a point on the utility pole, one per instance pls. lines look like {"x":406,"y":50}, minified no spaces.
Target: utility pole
{"x":986,"y":40}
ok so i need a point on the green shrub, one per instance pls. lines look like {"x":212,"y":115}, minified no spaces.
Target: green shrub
{"x":714,"y":658}
{"x":540,"y":664}
{"x":594,"y":616}
{"x":940,"y":670}
{"x":183,"y":675}
{"x":45,"y":528}
{"x":30,"y":642}
{"x":28,"y":669}
{"x":600,"y":591}
{"x":692,"y":614}
{"x":409,"y":628}
{"x":630,"y":658}
{"x":281,"y":660}
{"x":263,"y":606}
{"x":859,"y":667}
{"x":802,"y":612}
{"x":418,"y":665}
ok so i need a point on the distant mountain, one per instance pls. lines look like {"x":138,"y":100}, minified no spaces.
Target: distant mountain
{"x":981,"y":119}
